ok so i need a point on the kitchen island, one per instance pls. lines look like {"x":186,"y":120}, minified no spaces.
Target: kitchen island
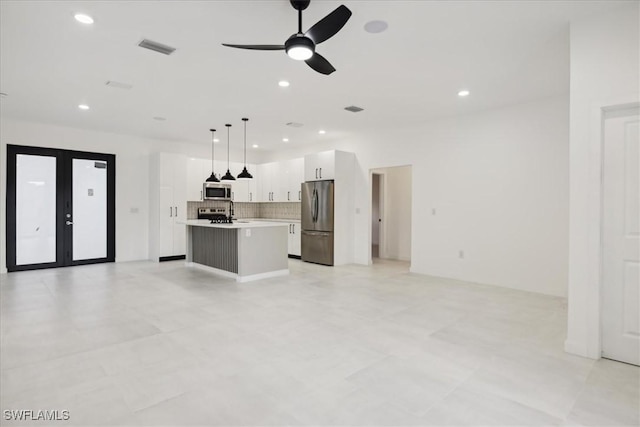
{"x":244,"y":250}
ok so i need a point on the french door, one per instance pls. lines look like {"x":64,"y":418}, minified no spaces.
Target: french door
{"x":60,"y":208}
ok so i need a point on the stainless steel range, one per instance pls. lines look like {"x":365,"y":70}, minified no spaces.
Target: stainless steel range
{"x":215,"y":215}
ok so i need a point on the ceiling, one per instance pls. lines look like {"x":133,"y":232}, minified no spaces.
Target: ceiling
{"x":504,"y":52}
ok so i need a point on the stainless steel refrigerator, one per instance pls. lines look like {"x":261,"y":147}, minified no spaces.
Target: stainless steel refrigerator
{"x":317,"y":222}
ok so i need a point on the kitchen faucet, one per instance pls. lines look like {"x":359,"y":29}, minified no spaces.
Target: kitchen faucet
{"x":231,"y":212}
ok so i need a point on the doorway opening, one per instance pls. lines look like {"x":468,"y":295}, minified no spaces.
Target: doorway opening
{"x":60,"y":208}
{"x":390,"y":236}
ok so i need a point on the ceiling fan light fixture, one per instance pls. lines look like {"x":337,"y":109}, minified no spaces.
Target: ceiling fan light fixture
{"x":299,"y":47}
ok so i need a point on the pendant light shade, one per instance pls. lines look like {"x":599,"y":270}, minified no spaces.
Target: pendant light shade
{"x":227,"y":176}
{"x":245,"y":173}
{"x":213,"y":177}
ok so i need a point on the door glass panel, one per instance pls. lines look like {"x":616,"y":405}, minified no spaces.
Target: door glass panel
{"x":35,"y":209}
{"x":89,"y":216}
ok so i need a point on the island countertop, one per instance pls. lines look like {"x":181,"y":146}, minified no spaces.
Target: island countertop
{"x":240,"y":223}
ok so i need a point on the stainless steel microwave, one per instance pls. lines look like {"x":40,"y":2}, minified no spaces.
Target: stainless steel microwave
{"x":216,"y":191}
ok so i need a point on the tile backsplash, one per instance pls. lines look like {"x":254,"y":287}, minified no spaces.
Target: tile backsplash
{"x":285,"y":210}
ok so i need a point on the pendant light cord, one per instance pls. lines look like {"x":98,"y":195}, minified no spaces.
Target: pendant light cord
{"x":228,"y":127}
{"x":213,"y":140}
{"x":245,"y":141}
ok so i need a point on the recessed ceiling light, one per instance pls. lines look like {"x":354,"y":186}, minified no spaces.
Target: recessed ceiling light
{"x":463,"y":93}
{"x":255,"y":146}
{"x":375,"y":26}
{"x":322,"y":132}
{"x":283,"y":83}
{"x":285,"y":139}
{"x":83,"y":107}
{"x":85,"y":19}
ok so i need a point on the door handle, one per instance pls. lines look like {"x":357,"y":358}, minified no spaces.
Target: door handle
{"x":316,"y":173}
{"x":176,"y":215}
{"x":288,"y":195}
{"x":320,"y":173}
{"x":170,"y":212}
{"x":289,"y":228}
{"x":250,"y":196}
{"x":293,"y":227}
{"x":201,"y":195}
{"x":69,"y":223}
{"x":233,"y":195}
{"x":299,"y":195}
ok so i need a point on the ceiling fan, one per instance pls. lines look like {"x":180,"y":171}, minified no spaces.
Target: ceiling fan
{"x":302,"y":46}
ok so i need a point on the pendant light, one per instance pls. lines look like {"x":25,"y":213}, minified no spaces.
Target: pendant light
{"x":213,"y":177}
{"x":245,"y":173}
{"x":227,"y":176}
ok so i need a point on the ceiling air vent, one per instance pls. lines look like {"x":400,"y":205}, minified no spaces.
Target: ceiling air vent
{"x":157,"y":47}
{"x":119,"y":85}
{"x":354,"y":109}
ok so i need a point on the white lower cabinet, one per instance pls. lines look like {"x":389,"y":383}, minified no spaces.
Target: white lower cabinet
{"x":295,"y":240}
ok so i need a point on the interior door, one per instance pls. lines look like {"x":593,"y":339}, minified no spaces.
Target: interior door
{"x":60,"y":208}
{"x":621,"y":238}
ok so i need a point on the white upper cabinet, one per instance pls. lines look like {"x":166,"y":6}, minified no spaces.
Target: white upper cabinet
{"x":267,"y":173}
{"x":281,"y":181}
{"x":272,"y":182}
{"x":293,"y":177}
{"x":198,"y":170}
{"x":196,"y":174}
{"x":320,"y":166}
{"x":239,"y":187}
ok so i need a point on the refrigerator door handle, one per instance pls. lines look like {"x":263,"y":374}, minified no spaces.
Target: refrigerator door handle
{"x":317,"y":200}
{"x":314,"y":206}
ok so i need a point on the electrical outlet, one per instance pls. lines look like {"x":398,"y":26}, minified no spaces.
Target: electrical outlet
{"x":461,"y":254}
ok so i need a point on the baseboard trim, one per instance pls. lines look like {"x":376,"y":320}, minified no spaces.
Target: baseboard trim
{"x":172,"y":258}
{"x":578,"y":349}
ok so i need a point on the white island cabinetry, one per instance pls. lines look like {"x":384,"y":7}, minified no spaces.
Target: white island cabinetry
{"x":245,"y":250}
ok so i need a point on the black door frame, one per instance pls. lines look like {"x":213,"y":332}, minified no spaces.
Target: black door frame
{"x":64,"y":205}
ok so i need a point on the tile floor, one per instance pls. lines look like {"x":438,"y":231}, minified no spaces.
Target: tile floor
{"x":160,"y":344}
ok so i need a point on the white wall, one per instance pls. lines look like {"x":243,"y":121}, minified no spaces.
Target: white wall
{"x":605,"y":71}
{"x":132,"y":174}
{"x":499,"y":183}
{"x":396,"y":219}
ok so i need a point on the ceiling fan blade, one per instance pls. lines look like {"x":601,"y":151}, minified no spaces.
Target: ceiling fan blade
{"x":320,"y":64}
{"x":328,"y":26}
{"x":256,"y":46}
